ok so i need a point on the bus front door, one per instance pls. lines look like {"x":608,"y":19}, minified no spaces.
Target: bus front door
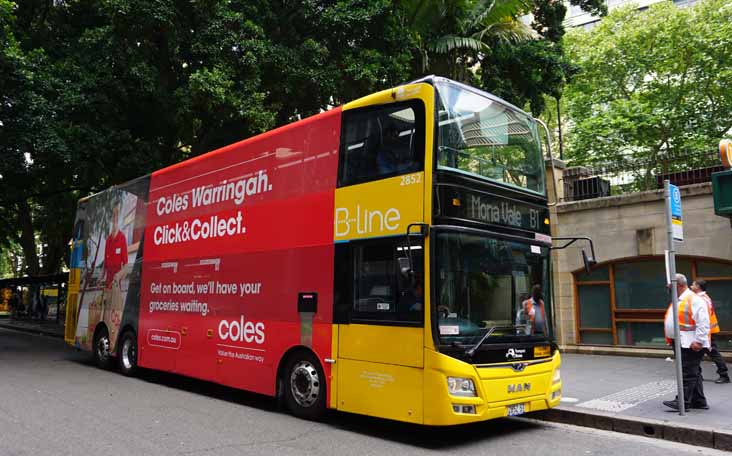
{"x":381,"y":349}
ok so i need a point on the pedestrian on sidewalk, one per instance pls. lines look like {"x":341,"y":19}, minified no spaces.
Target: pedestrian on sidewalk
{"x":700,"y":288}
{"x":693,"y":319}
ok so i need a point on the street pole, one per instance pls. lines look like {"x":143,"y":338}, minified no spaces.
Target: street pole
{"x":559,"y":129}
{"x":674,"y":298}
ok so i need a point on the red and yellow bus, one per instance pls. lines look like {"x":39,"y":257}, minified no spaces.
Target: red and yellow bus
{"x":389,"y":257}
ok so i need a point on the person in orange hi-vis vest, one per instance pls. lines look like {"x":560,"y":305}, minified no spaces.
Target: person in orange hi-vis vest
{"x":532,"y":312}
{"x":693,"y":320}
{"x":700,"y":288}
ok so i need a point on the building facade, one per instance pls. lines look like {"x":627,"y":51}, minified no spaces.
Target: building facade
{"x":622,"y":301}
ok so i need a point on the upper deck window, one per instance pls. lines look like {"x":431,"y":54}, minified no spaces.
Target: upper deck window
{"x":380,"y":142}
{"x":481,"y":136}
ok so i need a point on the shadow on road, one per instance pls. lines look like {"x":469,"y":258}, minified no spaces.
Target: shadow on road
{"x":54,"y":350}
{"x":427,"y":437}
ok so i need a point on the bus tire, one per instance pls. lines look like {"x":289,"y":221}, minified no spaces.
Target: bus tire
{"x":127,"y":353}
{"x":100,"y":349}
{"x":305,"y":388}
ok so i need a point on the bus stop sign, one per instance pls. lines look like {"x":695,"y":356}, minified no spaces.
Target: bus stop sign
{"x":676,"y":221}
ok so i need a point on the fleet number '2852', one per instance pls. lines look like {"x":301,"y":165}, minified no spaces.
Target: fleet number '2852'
{"x":410,"y":179}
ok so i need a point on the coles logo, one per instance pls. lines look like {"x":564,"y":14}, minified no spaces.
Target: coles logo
{"x":241,"y":331}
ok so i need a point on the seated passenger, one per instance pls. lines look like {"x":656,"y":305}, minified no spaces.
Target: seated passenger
{"x":393,"y":155}
{"x":413,"y":298}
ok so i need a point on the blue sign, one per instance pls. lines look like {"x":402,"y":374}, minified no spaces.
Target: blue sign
{"x":675,"y":201}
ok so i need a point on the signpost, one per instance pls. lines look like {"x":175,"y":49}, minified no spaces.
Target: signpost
{"x":676,"y":221}
{"x":673,"y":220}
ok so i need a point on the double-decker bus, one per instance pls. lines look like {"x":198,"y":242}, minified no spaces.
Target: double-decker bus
{"x":389,"y":257}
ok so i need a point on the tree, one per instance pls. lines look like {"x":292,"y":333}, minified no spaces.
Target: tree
{"x":525,"y":73}
{"x":29,"y":144}
{"x":11,"y":261}
{"x":651,"y":83}
{"x":93,"y":94}
{"x":453,"y":36}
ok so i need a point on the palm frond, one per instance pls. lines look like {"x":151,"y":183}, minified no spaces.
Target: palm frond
{"x":449,"y":43}
{"x":487,"y":12}
{"x":507,"y":30}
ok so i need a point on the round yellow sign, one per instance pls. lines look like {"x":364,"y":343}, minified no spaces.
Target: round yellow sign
{"x":725,"y":152}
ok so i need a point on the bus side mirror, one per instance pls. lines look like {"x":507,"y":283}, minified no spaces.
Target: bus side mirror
{"x":589,"y":262}
{"x":406,"y":265}
{"x":421,"y":229}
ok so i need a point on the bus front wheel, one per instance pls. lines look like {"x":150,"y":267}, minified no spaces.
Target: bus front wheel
{"x":127,"y":356}
{"x":305,"y":389}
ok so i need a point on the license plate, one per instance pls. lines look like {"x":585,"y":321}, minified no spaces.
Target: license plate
{"x":516,"y":409}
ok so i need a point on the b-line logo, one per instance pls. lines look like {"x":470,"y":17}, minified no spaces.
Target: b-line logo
{"x":365,"y":221}
{"x":242,"y":331}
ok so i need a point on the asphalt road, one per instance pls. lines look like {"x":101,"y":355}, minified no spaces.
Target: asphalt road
{"x":53,"y":401}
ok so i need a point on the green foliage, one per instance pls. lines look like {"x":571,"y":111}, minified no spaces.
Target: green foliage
{"x":526,"y":73}
{"x":11,"y":261}
{"x":94,"y":93}
{"x":452,"y":36}
{"x":651,"y":83}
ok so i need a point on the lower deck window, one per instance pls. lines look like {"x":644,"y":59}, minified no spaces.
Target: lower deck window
{"x":624,"y":302}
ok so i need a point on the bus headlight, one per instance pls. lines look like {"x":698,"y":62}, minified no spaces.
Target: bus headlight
{"x":461,"y":386}
{"x":557,"y":377}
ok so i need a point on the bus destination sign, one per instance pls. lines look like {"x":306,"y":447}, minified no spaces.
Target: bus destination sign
{"x":492,"y":209}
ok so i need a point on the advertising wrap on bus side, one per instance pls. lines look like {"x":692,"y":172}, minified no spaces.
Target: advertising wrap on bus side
{"x":228,"y":242}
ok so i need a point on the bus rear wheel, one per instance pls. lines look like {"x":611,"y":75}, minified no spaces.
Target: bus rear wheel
{"x":305,"y":389}
{"x":127,"y":353}
{"x":102,"y":355}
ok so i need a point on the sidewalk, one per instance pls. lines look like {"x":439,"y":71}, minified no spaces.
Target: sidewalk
{"x":49,"y":328}
{"x":624,"y":394}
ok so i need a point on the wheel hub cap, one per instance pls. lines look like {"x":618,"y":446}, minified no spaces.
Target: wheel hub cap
{"x":128,"y":354}
{"x":103,"y":348}
{"x":305,"y":384}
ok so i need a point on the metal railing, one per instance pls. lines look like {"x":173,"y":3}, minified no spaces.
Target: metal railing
{"x":629,"y":175}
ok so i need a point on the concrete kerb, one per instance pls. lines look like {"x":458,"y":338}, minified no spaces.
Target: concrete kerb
{"x":723,"y":440}
{"x":42,"y":332}
{"x":706,"y":437}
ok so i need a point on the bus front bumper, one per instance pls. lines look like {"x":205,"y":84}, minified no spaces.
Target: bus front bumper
{"x":500,"y":391}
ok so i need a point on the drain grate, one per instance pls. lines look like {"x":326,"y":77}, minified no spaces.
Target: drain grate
{"x":622,"y":400}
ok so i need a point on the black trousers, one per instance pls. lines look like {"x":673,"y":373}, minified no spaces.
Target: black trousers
{"x":718,"y":360}
{"x":691,"y":370}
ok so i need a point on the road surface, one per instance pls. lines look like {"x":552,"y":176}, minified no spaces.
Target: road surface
{"x":53,"y":401}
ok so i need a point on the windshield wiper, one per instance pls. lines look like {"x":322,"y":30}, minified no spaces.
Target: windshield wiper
{"x":471,"y":351}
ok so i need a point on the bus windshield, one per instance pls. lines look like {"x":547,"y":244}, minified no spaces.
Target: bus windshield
{"x":487,"y":284}
{"x":481,"y":136}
